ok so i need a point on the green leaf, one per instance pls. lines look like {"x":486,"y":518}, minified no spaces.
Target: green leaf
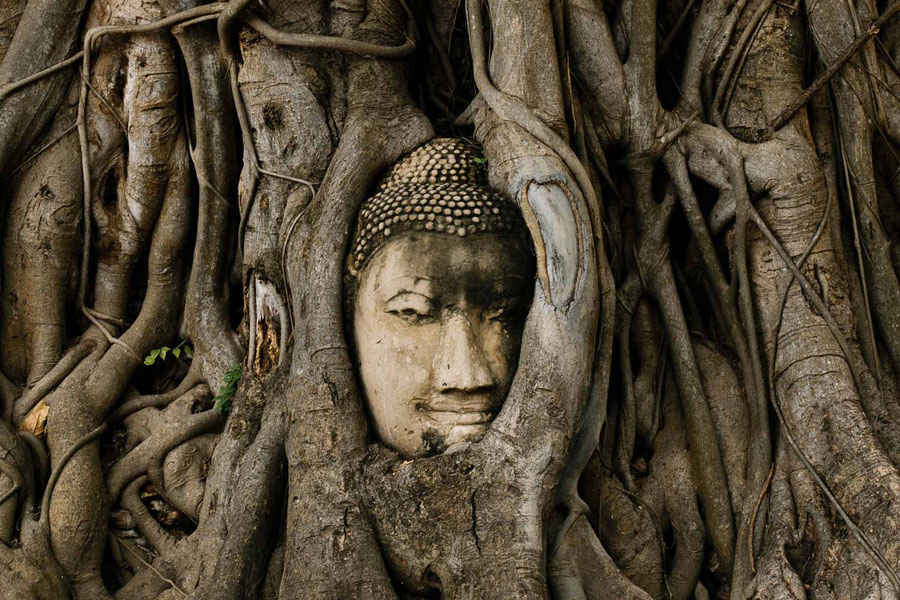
{"x":233,"y":375}
{"x":151,"y":358}
{"x":163,"y":352}
{"x":222,"y":402}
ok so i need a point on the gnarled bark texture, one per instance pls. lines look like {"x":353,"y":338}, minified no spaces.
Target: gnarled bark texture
{"x":706,"y":402}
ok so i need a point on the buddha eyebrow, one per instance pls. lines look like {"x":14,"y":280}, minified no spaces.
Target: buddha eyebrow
{"x":511,"y":283}
{"x":416,"y":281}
{"x":515,"y":277}
{"x":405,"y":292}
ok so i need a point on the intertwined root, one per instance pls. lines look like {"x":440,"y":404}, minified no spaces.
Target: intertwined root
{"x":750,"y":444}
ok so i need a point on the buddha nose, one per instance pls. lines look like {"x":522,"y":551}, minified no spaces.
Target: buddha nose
{"x":460,"y":363}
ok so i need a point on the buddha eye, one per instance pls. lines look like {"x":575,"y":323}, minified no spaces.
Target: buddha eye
{"x":504,"y":312}
{"x":500,"y":314}
{"x":412,"y":316}
{"x":415,"y":309}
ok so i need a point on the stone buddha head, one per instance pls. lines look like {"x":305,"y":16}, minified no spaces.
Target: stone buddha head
{"x":440,"y":280}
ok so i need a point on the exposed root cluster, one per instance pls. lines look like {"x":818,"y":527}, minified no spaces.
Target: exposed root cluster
{"x":706,"y":402}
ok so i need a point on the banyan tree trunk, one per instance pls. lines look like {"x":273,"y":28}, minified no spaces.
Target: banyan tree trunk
{"x":706,"y":398}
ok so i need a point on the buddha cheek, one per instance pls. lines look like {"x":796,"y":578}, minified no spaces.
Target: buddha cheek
{"x":501,"y":348}
{"x":396,"y":382}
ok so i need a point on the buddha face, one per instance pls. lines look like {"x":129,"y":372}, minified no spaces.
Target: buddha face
{"x":437,"y":326}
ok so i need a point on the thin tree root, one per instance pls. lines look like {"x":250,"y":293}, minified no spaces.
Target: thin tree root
{"x":54,"y":476}
{"x":832,"y":70}
{"x":137,"y":555}
{"x":324,"y":42}
{"x":9,"y":88}
{"x":54,"y":377}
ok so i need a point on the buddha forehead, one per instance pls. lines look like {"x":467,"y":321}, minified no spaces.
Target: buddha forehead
{"x":453,"y":268}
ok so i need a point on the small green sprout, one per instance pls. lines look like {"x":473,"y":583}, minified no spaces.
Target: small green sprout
{"x":481,"y":161}
{"x":222,"y":402}
{"x":163,"y":352}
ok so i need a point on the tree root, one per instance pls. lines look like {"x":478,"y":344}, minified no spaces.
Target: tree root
{"x":54,"y":377}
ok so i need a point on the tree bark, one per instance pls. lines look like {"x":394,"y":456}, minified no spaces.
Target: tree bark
{"x":705,"y":402}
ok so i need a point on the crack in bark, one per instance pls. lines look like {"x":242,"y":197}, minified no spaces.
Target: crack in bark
{"x":475,"y":521}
